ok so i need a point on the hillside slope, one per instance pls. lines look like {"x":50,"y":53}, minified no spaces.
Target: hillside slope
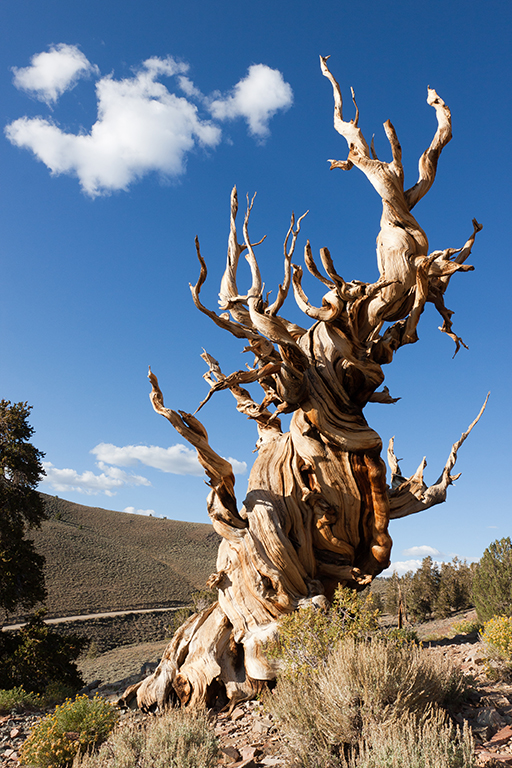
{"x":101,"y":560}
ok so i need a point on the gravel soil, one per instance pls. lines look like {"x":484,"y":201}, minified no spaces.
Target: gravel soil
{"x":248,"y":737}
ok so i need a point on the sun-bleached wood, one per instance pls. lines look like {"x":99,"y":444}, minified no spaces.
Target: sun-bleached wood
{"x":318,"y":504}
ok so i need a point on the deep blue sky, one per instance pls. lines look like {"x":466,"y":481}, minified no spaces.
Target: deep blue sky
{"x":95,"y":282}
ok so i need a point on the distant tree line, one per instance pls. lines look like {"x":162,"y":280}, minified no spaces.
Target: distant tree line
{"x":436,"y":590}
{"x":433,"y":591}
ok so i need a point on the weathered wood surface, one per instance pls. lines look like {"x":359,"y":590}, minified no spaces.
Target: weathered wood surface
{"x":318,"y":505}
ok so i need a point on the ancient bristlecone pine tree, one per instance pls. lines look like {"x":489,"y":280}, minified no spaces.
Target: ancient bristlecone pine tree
{"x":317,"y":508}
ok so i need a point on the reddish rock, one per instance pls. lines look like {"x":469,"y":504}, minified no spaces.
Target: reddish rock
{"x":502,"y":736}
{"x":231,"y":752}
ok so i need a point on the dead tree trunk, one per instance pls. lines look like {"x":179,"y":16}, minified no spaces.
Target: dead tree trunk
{"x":318,"y":505}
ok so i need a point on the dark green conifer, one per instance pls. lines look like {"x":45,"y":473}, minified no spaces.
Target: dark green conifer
{"x":21,"y":508}
{"x":492,"y":583}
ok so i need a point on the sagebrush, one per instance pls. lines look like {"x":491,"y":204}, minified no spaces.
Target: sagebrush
{"x":177,"y":739}
{"x":428,"y":742}
{"x":362,"y":685}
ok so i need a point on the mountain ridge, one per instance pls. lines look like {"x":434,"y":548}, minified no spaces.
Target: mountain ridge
{"x":100,"y":560}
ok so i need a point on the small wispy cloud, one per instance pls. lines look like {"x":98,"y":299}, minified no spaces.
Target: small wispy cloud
{"x":416,"y":555}
{"x":133,"y":511}
{"x":141,"y":126}
{"x":422,"y":551}
{"x":108,"y":481}
{"x":53,"y":72}
{"x":401,"y":567}
{"x":177,"y":459}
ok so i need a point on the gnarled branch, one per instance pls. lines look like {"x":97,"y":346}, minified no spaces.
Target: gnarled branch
{"x":411,"y":495}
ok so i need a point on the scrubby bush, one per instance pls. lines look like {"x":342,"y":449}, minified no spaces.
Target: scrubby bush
{"x":36,"y":657}
{"x":498,"y":633}
{"x":178,"y":739}
{"x":75,"y":727}
{"x":203,"y":598}
{"x":467,"y":627}
{"x":401,"y":636}
{"x":307,"y":636}
{"x":178,"y":617}
{"x":492,"y":583}
{"x":497,"y":639}
{"x":362,"y":686}
{"x":19,"y":700}
{"x":431,"y":742}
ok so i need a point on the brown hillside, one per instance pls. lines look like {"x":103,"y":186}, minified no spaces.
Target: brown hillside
{"x":100,"y":560}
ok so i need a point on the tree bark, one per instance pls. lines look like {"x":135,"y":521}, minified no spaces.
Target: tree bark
{"x":318,"y":505}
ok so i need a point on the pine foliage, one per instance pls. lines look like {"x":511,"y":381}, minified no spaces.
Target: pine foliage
{"x":21,"y":508}
{"x":492,"y":583}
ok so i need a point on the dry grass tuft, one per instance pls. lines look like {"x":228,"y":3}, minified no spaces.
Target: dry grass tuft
{"x":177,"y":739}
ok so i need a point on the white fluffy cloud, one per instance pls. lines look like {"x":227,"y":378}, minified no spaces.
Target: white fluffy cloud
{"x":52,"y":72}
{"x":108,"y":481}
{"x":177,"y":459}
{"x":256,"y":98}
{"x":141,"y":126}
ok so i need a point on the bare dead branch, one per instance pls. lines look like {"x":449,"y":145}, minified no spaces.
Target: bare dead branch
{"x":429,"y":159}
{"x":383,"y":397}
{"x":223,"y":321}
{"x":412,"y":495}
{"x":332,"y":305}
{"x":283,"y":289}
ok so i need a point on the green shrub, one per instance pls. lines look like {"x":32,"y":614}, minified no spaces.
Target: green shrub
{"x":76,"y":726}
{"x":467,"y":627}
{"x":178,"y":617}
{"x":363,"y":685}
{"x":36,"y":656}
{"x":19,"y":700}
{"x":177,"y":739}
{"x":498,"y":633}
{"x":307,"y":636}
{"x":401,"y":636}
{"x":431,"y":742}
{"x":497,"y":639}
{"x":56,"y":693}
{"x":203,"y":598}
{"x":492,"y":582}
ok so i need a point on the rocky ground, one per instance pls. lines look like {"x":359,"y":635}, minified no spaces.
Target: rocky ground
{"x":248,"y":737}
